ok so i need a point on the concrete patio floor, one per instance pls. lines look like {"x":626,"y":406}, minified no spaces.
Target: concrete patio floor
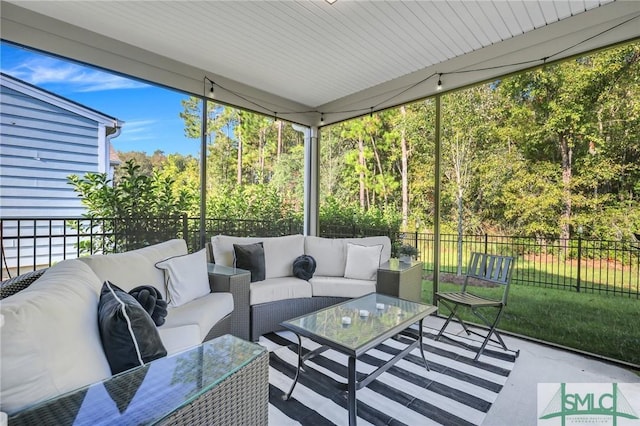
{"x":517,"y":402}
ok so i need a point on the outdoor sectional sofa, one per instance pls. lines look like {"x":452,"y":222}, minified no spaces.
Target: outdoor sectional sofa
{"x":50,"y":337}
{"x":345,"y":268}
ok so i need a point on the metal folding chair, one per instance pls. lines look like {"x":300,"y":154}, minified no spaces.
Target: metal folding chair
{"x":489,"y":268}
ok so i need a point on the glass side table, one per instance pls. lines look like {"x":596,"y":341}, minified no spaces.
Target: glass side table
{"x":400,"y":279}
{"x":225,"y":373}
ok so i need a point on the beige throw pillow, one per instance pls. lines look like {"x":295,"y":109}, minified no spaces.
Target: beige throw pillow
{"x":186,"y":277}
{"x":362,"y":261}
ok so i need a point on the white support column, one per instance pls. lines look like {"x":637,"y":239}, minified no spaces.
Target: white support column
{"x":312,"y":184}
{"x":311,"y":178}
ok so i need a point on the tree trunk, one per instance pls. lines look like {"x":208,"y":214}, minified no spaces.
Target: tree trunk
{"x":261,"y":142}
{"x":239,"y":161}
{"x":404,"y":169}
{"x":279,"y":124}
{"x":460,"y":218}
{"x":380,"y":169}
{"x":566,"y":152}
{"x":361,"y":178}
{"x":458,"y":164}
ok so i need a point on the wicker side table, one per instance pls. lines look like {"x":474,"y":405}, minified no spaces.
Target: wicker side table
{"x":235,"y":281}
{"x":400,"y":279}
{"x":224,"y":381}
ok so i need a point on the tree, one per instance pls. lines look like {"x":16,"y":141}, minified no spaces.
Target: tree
{"x":147,"y":163}
{"x":137,"y":211}
{"x":561,"y":107}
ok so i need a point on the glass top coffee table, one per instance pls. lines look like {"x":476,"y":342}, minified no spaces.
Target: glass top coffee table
{"x":353,"y":328}
{"x":156,"y":393}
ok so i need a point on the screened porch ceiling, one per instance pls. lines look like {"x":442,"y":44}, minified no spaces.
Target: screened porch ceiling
{"x":307,"y":60}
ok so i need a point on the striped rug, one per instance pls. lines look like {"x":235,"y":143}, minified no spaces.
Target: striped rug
{"x":457,"y":390}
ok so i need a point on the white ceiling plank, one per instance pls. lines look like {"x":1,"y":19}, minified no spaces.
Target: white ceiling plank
{"x":450,"y":28}
{"x":576,"y":6}
{"x":437,"y":42}
{"x":476,"y":34}
{"x":521,"y":13}
{"x":535,"y":13}
{"x":477,"y":11}
{"x":428,"y":52}
{"x":548,"y":11}
{"x":563,"y":9}
{"x":508,"y":18}
{"x":494,"y":12}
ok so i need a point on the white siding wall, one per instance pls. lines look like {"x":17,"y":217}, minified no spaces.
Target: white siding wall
{"x":40,"y":146}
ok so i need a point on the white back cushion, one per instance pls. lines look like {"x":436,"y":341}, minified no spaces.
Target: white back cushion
{"x":136,"y":267}
{"x":279,"y":252}
{"x":329,"y":253}
{"x":50,"y":338}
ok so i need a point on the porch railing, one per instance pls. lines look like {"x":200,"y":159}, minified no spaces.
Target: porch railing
{"x":576,"y":264}
{"x":584,"y":265}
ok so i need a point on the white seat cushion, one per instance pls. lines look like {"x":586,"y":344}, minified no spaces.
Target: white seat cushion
{"x":271,"y":290}
{"x":50,"y":338}
{"x":205,"y":312}
{"x":341,"y":287}
{"x":179,"y":338}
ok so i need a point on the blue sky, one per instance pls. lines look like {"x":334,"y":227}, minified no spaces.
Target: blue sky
{"x":150,"y":113}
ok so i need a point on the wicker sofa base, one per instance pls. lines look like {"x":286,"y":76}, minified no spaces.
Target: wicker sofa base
{"x":241,"y":399}
{"x":266,"y":317}
{"x":221,"y":328}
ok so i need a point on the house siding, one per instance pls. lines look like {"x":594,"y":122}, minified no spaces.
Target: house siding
{"x":41,"y":143}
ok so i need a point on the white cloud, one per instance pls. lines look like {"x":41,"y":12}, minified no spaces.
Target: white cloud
{"x":137,"y":126}
{"x":41,"y":71}
{"x":137,"y":130}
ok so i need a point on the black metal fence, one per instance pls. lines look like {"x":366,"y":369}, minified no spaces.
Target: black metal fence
{"x":577,"y":264}
{"x":34,"y":243}
{"x":585,"y":265}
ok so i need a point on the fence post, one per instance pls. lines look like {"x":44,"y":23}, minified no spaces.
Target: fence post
{"x":185,"y":228}
{"x":415,"y":238}
{"x":579,"y":257}
{"x":486,"y":243}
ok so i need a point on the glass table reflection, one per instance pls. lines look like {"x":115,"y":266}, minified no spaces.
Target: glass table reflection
{"x":353,"y":328}
{"x":147,"y":394}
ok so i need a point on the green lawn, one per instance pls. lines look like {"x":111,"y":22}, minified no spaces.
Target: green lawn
{"x":603,"y":325}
